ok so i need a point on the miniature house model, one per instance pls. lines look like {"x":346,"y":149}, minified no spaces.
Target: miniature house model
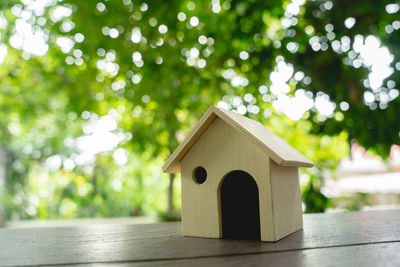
{"x":239,"y":180}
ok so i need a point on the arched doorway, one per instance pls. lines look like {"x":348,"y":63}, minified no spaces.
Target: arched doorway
{"x":240,"y":213}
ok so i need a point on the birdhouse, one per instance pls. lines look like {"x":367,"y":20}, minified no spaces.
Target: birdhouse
{"x":239,"y":180}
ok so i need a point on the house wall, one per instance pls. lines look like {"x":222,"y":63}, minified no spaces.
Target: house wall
{"x":220,"y":150}
{"x":286,"y":200}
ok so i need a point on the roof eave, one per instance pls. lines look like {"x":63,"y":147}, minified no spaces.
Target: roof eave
{"x":173,"y":168}
{"x":306,"y":164}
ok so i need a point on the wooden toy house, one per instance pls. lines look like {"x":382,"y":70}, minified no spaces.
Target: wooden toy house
{"x":239,"y":180}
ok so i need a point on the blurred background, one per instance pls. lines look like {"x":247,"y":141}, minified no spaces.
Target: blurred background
{"x":95,"y":95}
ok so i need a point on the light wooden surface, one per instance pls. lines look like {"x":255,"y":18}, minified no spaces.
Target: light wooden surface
{"x":286,"y":199}
{"x":276,"y":148}
{"x":223,"y":142}
{"x":342,"y":239}
{"x":222,"y":150}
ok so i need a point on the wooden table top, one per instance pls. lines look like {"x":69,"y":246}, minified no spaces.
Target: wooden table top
{"x":369,"y":238}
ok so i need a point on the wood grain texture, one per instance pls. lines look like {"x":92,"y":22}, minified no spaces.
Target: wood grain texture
{"x":221,"y":150}
{"x":276,"y":148}
{"x":286,"y":199}
{"x":118,"y":243}
{"x":370,"y":255}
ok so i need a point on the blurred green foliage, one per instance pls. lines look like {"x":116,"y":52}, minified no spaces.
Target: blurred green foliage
{"x":132,"y":60}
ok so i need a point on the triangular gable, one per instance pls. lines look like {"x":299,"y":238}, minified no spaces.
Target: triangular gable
{"x":277,"y":149}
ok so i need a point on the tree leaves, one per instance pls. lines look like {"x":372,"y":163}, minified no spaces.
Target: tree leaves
{"x":160,"y":65}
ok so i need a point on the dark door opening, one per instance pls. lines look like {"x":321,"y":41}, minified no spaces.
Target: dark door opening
{"x":239,"y":207}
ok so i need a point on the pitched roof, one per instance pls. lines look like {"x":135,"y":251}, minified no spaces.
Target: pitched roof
{"x":277,"y":149}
